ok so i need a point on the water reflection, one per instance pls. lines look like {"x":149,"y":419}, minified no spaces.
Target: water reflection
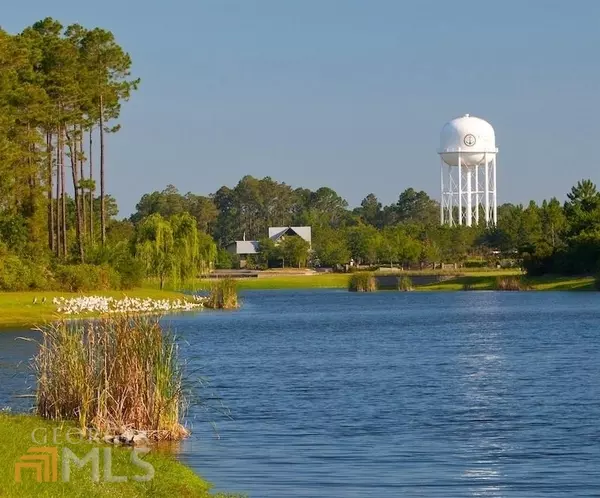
{"x":484,"y":382}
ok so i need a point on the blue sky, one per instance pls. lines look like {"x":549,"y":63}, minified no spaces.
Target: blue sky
{"x":345,"y":93}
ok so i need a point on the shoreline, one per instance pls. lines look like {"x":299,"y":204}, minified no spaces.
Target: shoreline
{"x":475,"y":280}
{"x":18,"y":310}
{"x":170,"y":477}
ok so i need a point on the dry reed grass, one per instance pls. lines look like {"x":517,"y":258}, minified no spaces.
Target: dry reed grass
{"x":362,"y":282}
{"x":110,"y":375}
{"x":511,"y":283}
{"x":222,"y":294}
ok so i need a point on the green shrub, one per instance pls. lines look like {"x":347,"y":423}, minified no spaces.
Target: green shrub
{"x":362,"y":282}
{"x":18,"y":274}
{"x":108,"y":278}
{"x":84,"y":277}
{"x":405,"y":283}
{"x":14,"y":274}
{"x":354,"y":269}
{"x":224,"y":260}
{"x":597,"y":282}
{"x":132,"y":272}
{"x":475,"y":264}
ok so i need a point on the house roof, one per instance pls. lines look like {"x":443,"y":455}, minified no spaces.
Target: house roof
{"x":275,"y":233}
{"x":245,"y":246}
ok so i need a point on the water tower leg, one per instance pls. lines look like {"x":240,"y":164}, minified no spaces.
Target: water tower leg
{"x":460,"y":191}
{"x":487,"y":191}
{"x":469,"y":197}
{"x":443,"y":196}
{"x":477,"y":195}
{"x":450,"y":196}
{"x":495,"y":203}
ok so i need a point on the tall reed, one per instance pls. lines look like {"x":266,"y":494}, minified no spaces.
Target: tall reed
{"x":510,"y":283}
{"x":405,"y":283}
{"x":222,"y":294}
{"x":362,"y":282}
{"x":110,"y":375}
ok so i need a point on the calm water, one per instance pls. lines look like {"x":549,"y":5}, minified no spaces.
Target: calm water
{"x":334,"y":394}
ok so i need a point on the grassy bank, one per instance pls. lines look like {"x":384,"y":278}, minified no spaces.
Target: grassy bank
{"x":476,"y":280}
{"x":318,"y":281}
{"x":17,"y":309}
{"x":171,"y":478}
{"x":489,"y":282}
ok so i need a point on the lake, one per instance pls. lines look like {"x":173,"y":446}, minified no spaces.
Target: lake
{"x":336,"y":394}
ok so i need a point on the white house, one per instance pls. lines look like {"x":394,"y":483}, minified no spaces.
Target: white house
{"x":244,"y":248}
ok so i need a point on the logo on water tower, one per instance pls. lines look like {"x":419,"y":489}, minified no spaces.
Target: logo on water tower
{"x":469,"y":140}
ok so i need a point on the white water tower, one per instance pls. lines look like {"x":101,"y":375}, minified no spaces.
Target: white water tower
{"x":468,"y":172}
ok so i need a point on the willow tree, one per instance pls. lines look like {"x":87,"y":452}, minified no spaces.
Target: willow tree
{"x":185,"y":235}
{"x":155,"y":247}
{"x":207,"y":252}
{"x":173,"y":248}
{"x":195,"y":250}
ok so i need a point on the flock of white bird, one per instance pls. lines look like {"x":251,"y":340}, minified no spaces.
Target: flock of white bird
{"x":101,"y":304}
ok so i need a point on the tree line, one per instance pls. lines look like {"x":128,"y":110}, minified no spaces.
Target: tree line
{"x":61,"y":93}
{"x":550,"y":237}
{"x":60,"y":87}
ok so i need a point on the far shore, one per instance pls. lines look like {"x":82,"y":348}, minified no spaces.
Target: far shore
{"x":20,"y":310}
{"x":455,"y":280}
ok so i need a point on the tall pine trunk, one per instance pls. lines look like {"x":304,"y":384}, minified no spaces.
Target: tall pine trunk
{"x":58,"y":216}
{"x":72,"y":142}
{"x":91,"y":192}
{"x":50,"y":185}
{"x":63,"y":197}
{"x":82,"y":190}
{"x":102,"y":201}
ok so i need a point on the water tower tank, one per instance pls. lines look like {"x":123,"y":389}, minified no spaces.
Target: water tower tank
{"x":472,"y":136}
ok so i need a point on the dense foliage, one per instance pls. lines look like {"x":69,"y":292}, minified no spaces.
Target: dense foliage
{"x":59,"y":90}
{"x":549,"y":237}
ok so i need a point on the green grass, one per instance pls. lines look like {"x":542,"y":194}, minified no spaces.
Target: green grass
{"x":478,"y":279}
{"x":171,"y":479}
{"x":319,"y":281}
{"x":18,"y":311}
{"x":489,"y":282}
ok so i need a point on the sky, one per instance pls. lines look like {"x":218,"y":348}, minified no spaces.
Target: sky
{"x":349,"y":94}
